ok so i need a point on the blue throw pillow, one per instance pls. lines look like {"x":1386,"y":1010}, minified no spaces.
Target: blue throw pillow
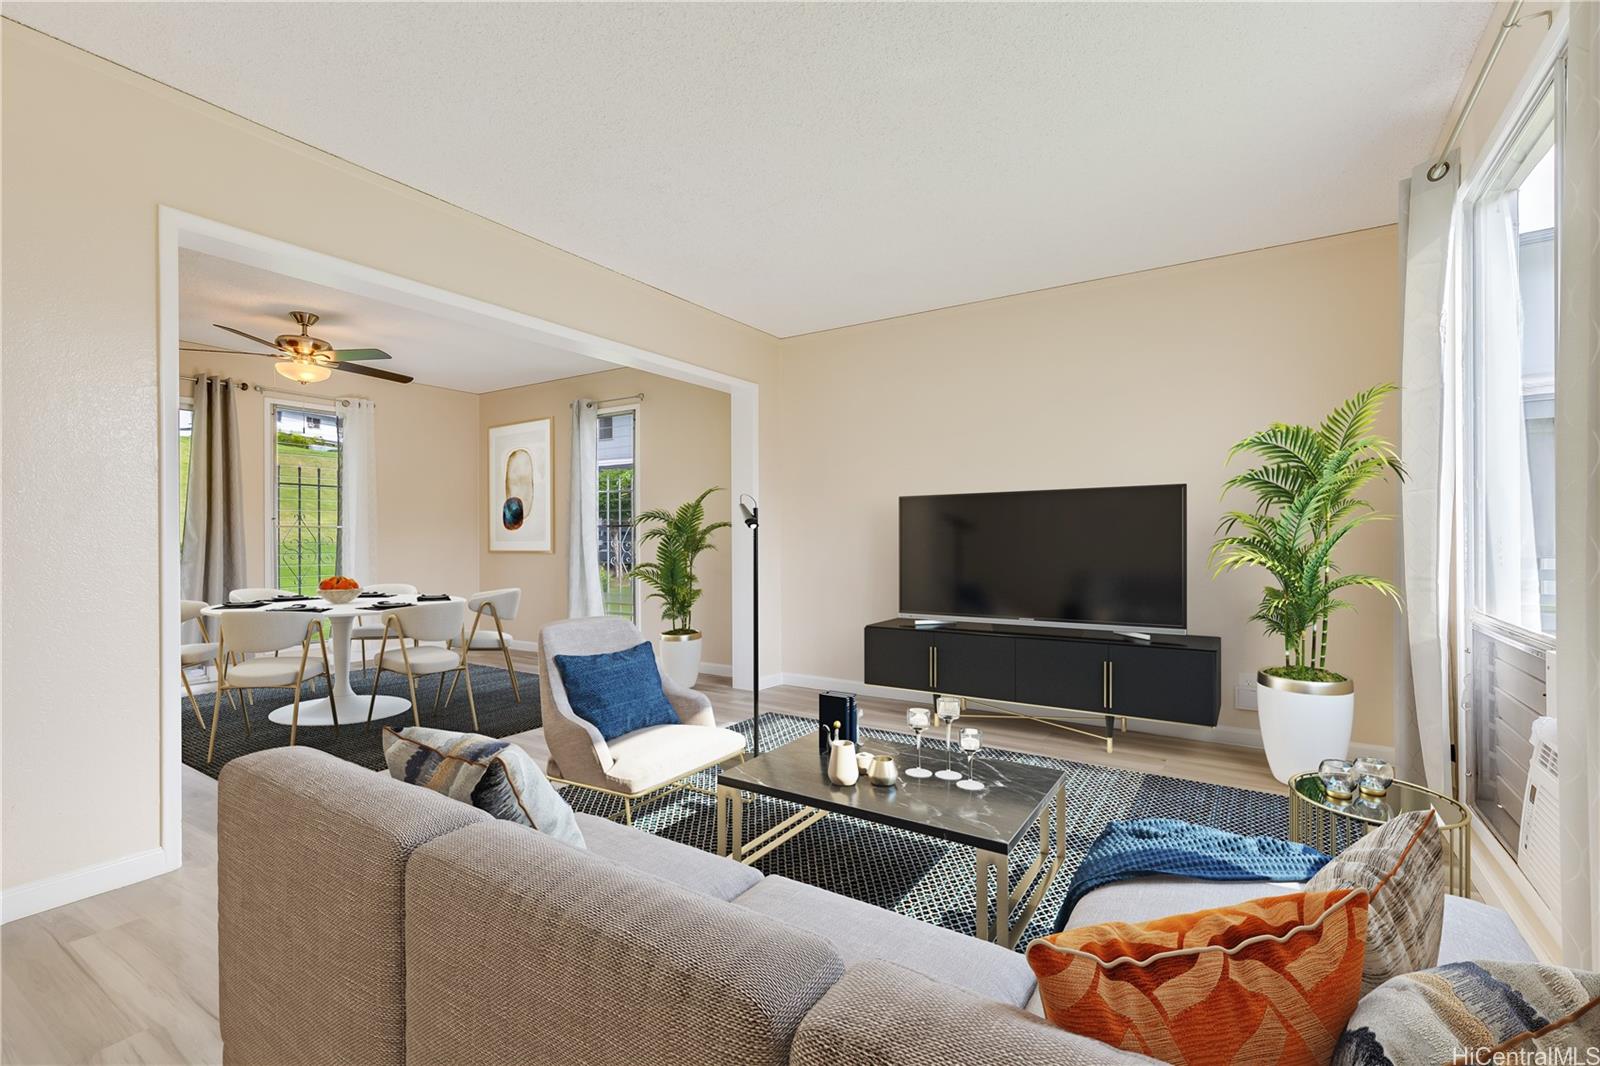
{"x":616,"y":692}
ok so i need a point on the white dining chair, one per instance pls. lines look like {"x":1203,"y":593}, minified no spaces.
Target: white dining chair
{"x":248,"y":595}
{"x":203,"y":653}
{"x":444,"y":620}
{"x":497,"y":606}
{"x":365,"y":630}
{"x":246,"y":632}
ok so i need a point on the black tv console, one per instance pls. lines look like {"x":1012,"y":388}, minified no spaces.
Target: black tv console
{"x":1163,"y":678}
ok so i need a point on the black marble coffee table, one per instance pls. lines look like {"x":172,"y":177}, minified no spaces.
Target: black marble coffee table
{"x":992,"y":822}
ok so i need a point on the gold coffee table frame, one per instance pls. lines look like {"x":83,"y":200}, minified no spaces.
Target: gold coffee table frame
{"x":1003,"y":929}
{"x":1317,"y":819}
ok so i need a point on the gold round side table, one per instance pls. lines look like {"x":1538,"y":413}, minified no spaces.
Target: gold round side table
{"x":1329,"y":825}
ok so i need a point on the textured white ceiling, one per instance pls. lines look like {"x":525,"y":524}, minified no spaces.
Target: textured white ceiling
{"x":433,"y":349}
{"x":800,"y":167}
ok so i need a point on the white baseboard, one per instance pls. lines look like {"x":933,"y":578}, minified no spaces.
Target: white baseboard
{"x":1232,"y":736}
{"x":42,"y":895}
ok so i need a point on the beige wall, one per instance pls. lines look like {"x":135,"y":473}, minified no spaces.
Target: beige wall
{"x":427,"y":529}
{"x":1139,"y":379}
{"x":91,"y":152}
{"x":683,"y":449}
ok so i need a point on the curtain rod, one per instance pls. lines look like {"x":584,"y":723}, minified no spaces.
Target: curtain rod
{"x":245,"y":386}
{"x":616,"y":399}
{"x":1512,"y":21}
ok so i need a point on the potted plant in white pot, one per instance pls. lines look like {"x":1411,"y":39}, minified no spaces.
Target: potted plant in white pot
{"x":1307,"y":491}
{"x":680,"y":537}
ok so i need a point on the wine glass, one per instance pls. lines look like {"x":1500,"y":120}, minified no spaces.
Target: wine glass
{"x":948,"y":710}
{"x":971,"y":741}
{"x":918,"y":719}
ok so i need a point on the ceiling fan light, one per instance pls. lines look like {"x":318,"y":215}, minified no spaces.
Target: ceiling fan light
{"x":303,"y":373}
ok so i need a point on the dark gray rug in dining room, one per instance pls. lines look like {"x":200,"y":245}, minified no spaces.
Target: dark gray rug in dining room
{"x":498,"y":716}
{"x":929,"y":879}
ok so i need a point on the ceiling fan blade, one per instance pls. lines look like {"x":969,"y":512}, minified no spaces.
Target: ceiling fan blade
{"x":248,"y":336}
{"x":374,"y":372}
{"x":214,"y":350}
{"x":348,"y":355}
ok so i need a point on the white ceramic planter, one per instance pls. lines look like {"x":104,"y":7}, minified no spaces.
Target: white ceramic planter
{"x":680,"y":657}
{"x":1304,"y":722}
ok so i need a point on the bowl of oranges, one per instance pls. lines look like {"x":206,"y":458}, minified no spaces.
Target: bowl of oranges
{"x":338,"y":589}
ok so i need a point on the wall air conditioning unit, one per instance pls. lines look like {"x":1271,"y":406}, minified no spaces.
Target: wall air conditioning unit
{"x":1539,"y":845}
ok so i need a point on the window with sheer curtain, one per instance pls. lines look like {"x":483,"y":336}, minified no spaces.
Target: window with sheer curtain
{"x":1510,"y":386}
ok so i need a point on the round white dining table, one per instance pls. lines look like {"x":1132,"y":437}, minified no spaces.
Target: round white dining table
{"x":341,"y":619}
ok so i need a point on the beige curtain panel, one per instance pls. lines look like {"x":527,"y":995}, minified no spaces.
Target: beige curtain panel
{"x":211,"y":560}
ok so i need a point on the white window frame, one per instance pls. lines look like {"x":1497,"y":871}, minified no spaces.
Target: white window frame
{"x":1551,"y":77}
{"x":269,"y":488}
{"x":633,"y":408}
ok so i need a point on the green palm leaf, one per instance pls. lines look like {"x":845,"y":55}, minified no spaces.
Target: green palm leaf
{"x":1307,"y":501}
{"x":680,"y":536}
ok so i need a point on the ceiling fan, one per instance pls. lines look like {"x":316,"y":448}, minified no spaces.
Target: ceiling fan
{"x":303,"y":358}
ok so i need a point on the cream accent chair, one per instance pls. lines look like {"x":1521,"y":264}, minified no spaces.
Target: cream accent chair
{"x":499,"y":605}
{"x":644,"y":765}
{"x":246,"y":632}
{"x":442,"y":620}
{"x":201,"y":654}
{"x":366,"y":630}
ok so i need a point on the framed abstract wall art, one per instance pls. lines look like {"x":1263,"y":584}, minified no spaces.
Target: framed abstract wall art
{"x":520,"y":494}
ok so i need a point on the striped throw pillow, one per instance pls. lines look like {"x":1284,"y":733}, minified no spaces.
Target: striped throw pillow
{"x":1400,"y":865}
{"x":1268,"y":981}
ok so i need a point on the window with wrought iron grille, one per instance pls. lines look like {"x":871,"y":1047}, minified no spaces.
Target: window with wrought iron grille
{"x":616,"y":455}
{"x":303,"y":509}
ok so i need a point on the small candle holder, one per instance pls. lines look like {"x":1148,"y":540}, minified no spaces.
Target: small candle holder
{"x":1338,"y":779}
{"x":1373,"y":776}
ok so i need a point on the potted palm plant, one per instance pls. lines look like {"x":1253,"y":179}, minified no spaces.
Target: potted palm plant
{"x":680,"y":537}
{"x":1307,"y":489}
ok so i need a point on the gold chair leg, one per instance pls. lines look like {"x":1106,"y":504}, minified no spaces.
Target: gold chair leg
{"x":448,"y":696}
{"x":244,"y":709}
{"x":411,"y":679}
{"x":438,"y":692}
{"x":511,"y":671}
{"x":471,"y":703}
{"x":294,"y":717}
{"x":627,"y":811}
{"x":194,"y":703}
{"x":333,"y":707}
{"x":373,"y":702}
{"x":216,"y":708}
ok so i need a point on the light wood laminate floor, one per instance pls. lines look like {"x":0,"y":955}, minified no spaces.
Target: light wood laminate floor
{"x":130,"y":976}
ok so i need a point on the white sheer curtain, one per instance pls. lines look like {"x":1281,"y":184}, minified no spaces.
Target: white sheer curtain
{"x":1578,"y":497}
{"x":583,"y":515}
{"x":1428,"y":224}
{"x":1510,"y":560}
{"x":358,"y":491}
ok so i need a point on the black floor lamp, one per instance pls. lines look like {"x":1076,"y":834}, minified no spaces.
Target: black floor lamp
{"x":747,"y":504}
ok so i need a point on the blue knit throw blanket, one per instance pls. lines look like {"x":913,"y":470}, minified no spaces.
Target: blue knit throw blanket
{"x":1169,"y":846}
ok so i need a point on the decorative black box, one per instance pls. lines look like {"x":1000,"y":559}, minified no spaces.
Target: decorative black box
{"x":836,"y":707}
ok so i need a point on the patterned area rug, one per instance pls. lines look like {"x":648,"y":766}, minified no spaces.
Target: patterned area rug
{"x":498,"y":716}
{"x":932,"y":880}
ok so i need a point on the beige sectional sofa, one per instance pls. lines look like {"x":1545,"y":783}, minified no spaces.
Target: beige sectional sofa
{"x":363,"y":920}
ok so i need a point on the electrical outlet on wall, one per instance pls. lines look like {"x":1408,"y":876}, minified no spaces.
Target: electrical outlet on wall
{"x":1244,"y":692}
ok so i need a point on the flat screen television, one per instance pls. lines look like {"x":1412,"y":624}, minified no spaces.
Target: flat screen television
{"x":1112,"y":557}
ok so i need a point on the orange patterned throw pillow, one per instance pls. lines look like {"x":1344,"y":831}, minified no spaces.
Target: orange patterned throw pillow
{"x":1268,"y":981}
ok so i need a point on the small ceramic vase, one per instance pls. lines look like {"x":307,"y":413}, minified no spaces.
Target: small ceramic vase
{"x":842,"y":767}
{"x":864,"y":761}
{"x":884,"y":772}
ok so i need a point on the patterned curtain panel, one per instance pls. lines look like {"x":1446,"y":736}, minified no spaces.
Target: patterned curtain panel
{"x":1578,"y":496}
{"x":211,"y":560}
